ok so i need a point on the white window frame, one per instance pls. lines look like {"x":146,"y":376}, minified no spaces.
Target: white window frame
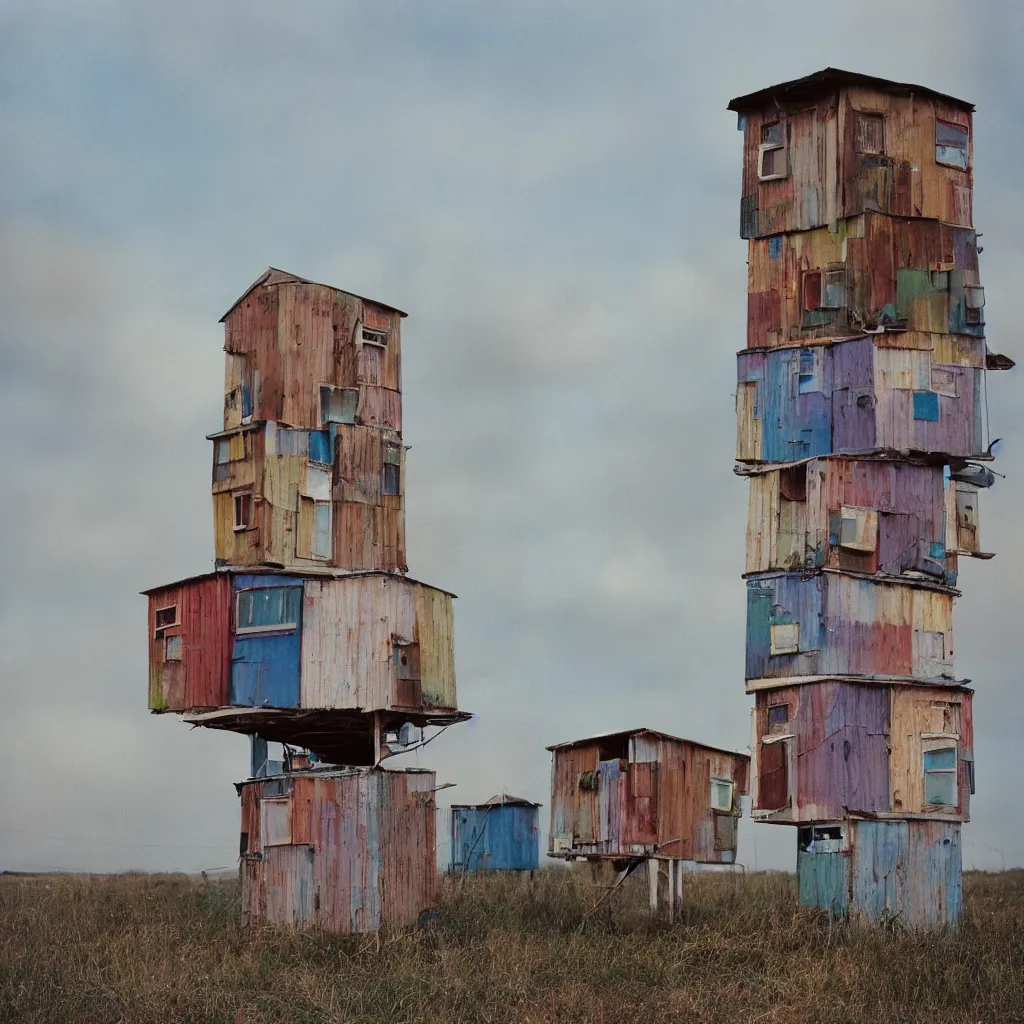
{"x":768,"y":147}
{"x":159,"y":627}
{"x":373,"y":336}
{"x":235,"y":497}
{"x":717,"y":781}
{"x":925,"y":772}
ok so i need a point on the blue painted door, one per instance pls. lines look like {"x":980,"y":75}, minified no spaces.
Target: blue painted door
{"x":265,"y":655}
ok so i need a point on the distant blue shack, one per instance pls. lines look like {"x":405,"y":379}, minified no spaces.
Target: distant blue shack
{"x":502,"y":834}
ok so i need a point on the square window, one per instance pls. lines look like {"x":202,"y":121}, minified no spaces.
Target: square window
{"x":870,"y":133}
{"x":951,"y":144}
{"x":721,"y":794}
{"x":940,"y":776}
{"x":858,"y":530}
{"x":338,"y":405}
{"x":372,"y":336}
{"x":834,"y":292}
{"x":771,"y":134}
{"x":267,"y":608}
{"x":172,"y":648}
{"x":163,"y":618}
{"x":778,"y":716}
{"x":785,"y":638}
{"x":926,"y":406}
{"x":243,"y":510}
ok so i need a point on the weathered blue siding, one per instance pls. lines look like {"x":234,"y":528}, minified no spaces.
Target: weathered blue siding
{"x":822,"y":880}
{"x":265,"y":666}
{"x":497,"y":837}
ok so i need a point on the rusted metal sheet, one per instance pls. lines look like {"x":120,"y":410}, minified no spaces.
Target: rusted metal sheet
{"x":796,"y":518}
{"x":828,"y":623}
{"x":855,"y":397}
{"x":847,"y":148}
{"x":827,"y":748}
{"x":190,"y":659}
{"x":358,"y":853}
{"x":644,"y":793}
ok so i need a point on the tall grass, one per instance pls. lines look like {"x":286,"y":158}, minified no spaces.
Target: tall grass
{"x":163,"y":949}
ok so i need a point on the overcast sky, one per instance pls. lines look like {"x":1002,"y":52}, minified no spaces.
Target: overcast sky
{"x":551,"y":190}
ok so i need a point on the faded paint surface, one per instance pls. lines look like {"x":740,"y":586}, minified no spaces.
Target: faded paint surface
{"x":361,"y":853}
{"x":200,"y":678}
{"x":495,"y":837}
{"x":822,"y":881}
{"x":371,"y":642}
{"x":849,"y":626}
{"x":353,"y":636}
{"x":643,"y":793}
{"x":795,"y":517}
{"x":853,"y":397}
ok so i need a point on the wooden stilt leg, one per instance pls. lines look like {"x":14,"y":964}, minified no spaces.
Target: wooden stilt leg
{"x":671,"y":866}
{"x":652,"y":883}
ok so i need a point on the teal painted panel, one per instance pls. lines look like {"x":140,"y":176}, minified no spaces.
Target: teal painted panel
{"x":822,"y":879}
{"x":879,"y":869}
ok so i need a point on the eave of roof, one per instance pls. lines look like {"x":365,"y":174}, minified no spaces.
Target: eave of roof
{"x":829,"y":79}
{"x":649,"y":732}
{"x":305,"y":573}
{"x":272,"y":276}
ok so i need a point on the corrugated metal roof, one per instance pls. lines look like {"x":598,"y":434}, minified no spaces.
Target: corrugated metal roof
{"x":829,"y":79}
{"x":501,"y":799}
{"x":272,"y":276}
{"x":637,"y":732}
{"x":303,"y":573}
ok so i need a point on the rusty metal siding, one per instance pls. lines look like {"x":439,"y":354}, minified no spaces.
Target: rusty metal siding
{"x":200,"y":678}
{"x":366,"y":858}
{"x":656,"y":800}
{"x":793,"y":533}
{"x":828,"y":179}
{"x":848,"y":626}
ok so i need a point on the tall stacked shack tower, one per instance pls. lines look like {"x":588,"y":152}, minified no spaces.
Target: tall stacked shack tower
{"x":862,"y":427}
{"x":309,"y":633}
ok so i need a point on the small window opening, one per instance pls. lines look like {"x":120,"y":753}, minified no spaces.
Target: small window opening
{"x":859,"y":529}
{"x":778,"y":716}
{"x":771,"y":157}
{"x":172,"y":648}
{"x":163,"y":618}
{"x":975,"y":302}
{"x":613,"y":748}
{"x":392,"y":468}
{"x":785,"y":638}
{"x":721,"y":794}
{"x":338,"y":405}
{"x":940,"y":776}
{"x":267,"y":608}
{"x":870,"y":133}
{"x":243,"y":510}
{"x":834,"y":291}
{"x":819,"y":838}
{"x":223,"y":451}
{"x":951,"y":144}
{"x":926,"y":406}
{"x":371,"y":336}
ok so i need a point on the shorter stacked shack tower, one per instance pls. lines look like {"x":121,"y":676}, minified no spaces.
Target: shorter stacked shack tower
{"x":309,"y":633}
{"x":862,"y":428}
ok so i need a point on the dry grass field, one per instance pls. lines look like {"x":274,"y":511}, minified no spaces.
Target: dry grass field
{"x":162,"y":949}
